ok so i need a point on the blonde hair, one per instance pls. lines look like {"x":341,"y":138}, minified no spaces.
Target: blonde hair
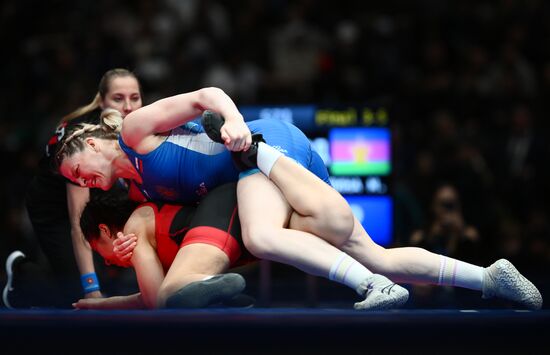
{"x":111,"y":118}
{"x":103,"y":89}
{"x":73,"y":141}
{"x":81,"y":111}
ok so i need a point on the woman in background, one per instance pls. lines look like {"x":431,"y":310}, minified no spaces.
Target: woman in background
{"x":54,"y":206}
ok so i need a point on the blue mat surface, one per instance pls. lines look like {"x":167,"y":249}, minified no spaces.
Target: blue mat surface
{"x":274,"y":331}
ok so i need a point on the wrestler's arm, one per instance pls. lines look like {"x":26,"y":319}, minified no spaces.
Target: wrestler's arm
{"x":77,"y":197}
{"x":171,"y":112}
{"x":149,"y":271}
{"x":116,"y":302}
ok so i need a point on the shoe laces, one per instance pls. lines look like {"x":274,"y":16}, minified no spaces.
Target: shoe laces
{"x":386,"y":289}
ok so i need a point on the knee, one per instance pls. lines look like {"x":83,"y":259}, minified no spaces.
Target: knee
{"x":260,"y":242}
{"x":341,"y":222}
{"x":336,"y":220}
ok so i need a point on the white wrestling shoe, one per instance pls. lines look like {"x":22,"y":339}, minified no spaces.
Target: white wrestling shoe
{"x":503,"y":280}
{"x":380,"y":293}
{"x":12,"y":259}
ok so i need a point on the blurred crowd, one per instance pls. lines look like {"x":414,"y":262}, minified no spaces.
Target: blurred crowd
{"x":467,"y":84}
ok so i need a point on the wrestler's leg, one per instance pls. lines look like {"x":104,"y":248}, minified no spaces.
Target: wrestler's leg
{"x":193,"y":263}
{"x":414,"y":265}
{"x":325,"y":212}
{"x":264,"y":212}
{"x":419,"y":266}
{"x":216,"y":244}
{"x":311,"y":198}
{"x":319,"y":208}
{"x":408,"y":264}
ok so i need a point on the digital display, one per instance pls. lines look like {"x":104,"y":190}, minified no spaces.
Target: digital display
{"x":355,"y":145}
{"x":359,"y":151}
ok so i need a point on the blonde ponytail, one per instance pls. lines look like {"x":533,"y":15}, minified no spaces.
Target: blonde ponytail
{"x":83,"y":110}
{"x":112,"y":119}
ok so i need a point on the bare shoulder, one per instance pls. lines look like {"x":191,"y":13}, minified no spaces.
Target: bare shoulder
{"x":140,"y":221}
{"x":138,"y":125}
{"x":137,"y":133}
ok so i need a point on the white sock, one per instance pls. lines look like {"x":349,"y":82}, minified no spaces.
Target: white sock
{"x":348,"y":271}
{"x":267,"y":156}
{"x":454,"y":272}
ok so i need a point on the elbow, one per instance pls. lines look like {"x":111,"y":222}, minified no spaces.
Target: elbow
{"x":211,"y":91}
{"x":209,"y":94}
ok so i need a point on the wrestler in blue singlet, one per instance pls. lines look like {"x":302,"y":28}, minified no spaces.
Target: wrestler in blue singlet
{"x":188,"y":164}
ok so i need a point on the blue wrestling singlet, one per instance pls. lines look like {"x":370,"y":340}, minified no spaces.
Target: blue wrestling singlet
{"x":188,"y":164}
{"x":183,"y":168}
{"x":292,"y":142}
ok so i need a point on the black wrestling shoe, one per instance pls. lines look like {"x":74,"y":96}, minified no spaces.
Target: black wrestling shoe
{"x":12,"y":261}
{"x":212,"y":122}
{"x":249,"y":159}
{"x":200,"y":294}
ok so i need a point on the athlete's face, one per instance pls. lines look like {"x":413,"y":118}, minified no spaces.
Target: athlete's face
{"x":123,"y":95}
{"x":90,"y":167}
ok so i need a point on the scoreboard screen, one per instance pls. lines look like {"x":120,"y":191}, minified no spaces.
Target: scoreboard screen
{"x":359,"y":151}
{"x":355,"y":144}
